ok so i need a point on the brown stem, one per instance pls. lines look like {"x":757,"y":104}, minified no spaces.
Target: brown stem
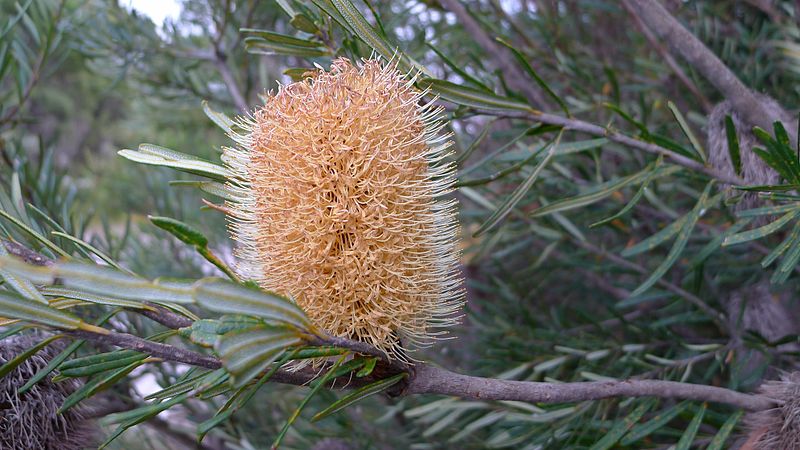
{"x":668,"y":59}
{"x":432,"y":380}
{"x":684,"y":43}
{"x":426,"y":379}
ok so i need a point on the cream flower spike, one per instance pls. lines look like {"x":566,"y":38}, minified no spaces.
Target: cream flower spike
{"x":338,"y":204}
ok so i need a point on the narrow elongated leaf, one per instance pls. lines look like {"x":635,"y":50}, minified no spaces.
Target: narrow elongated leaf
{"x":722,"y":435}
{"x":81,"y":243}
{"x":622,"y":426}
{"x":113,"y":283}
{"x":523,"y":61}
{"x":158,"y":156}
{"x":281,"y":38}
{"x":36,"y":235}
{"x":23,"y":286}
{"x":94,"y":364}
{"x":15,"y":307}
{"x":716,"y":243}
{"x":760,"y":232}
{"x":234,"y":403}
{"x":12,"y":364}
{"x":687,"y":131}
{"x":137,"y":416}
{"x":597,"y":193}
{"x":263,"y":47}
{"x":733,"y":145}
{"x":358,"y":395}
{"x":97,"y":384}
{"x":459,"y":69}
{"x":476,"y":98}
{"x":361,"y":28}
{"x":657,"y":422}
{"x":331,"y":374}
{"x":691,"y":431}
{"x":91,"y":298}
{"x":229,"y":298}
{"x":655,"y":240}
{"x":220,"y":119}
{"x":247,"y":353}
{"x":184,"y":232}
{"x":505,"y":209}
{"x":636,"y":197}
{"x":680,"y":241}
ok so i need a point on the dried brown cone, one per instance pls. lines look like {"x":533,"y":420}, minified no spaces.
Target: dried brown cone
{"x":777,"y":428}
{"x":30,"y":420}
{"x":339,"y":187}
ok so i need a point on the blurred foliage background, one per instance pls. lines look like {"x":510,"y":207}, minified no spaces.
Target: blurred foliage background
{"x":550,"y":296}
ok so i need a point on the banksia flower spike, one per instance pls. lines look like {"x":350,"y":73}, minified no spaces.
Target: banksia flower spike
{"x":338,"y":204}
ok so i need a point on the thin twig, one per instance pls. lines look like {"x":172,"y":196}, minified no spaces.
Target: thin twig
{"x":620,"y":138}
{"x":684,"y":43}
{"x":668,"y":59}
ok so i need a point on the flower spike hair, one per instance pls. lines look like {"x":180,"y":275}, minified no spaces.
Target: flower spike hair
{"x":338,"y":204}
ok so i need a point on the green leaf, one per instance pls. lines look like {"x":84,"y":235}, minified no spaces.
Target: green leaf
{"x":598,"y":192}
{"x":680,"y":241}
{"x":760,"y":232}
{"x":655,"y":240}
{"x":113,"y":283}
{"x":246,"y":353}
{"x":58,"y":359}
{"x":36,"y":235}
{"x":12,"y":364}
{"x":94,"y":364}
{"x":232,"y":405}
{"x":263,"y":47}
{"x":303,"y":23}
{"x":23,"y":286}
{"x":160,"y":156}
{"x":91,"y":298}
{"x":687,"y":131}
{"x":523,"y":61}
{"x":97,"y":384}
{"x":229,"y":298}
{"x":13,"y":306}
{"x":459,"y":69}
{"x":504,"y":209}
{"x":790,"y":241}
{"x":651,"y":175}
{"x":331,"y":374}
{"x":369,"y":366}
{"x":622,"y":426}
{"x":81,"y":243}
{"x":691,"y":431}
{"x":361,"y":28}
{"x":476,"y":98}
{"x":220,"y":119}
{"x":733,"y":145}
{"x":184,"y":232}
{"x":722,"y":435}
{"x":358,"y":395}
{"x":716,"y":243}
{"x":137,"y":416}
{"x":657,"y":422}
{"x":281,"y":38}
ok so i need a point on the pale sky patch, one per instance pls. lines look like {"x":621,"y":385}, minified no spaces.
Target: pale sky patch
{"x":157,"y":10}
